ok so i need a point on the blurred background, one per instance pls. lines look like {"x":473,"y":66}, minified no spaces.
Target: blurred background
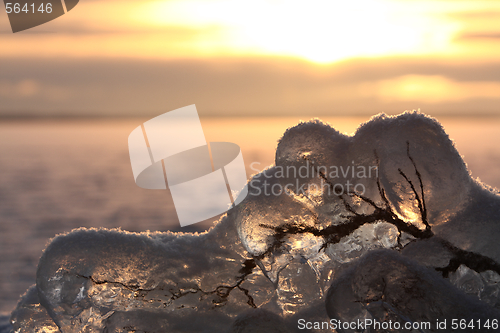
{"x":72,"y":90}
{"x":267,"y":57}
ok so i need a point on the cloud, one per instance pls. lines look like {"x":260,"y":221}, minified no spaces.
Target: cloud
{"x":234,"y":86}
{"x":33,"y":91}
{"x":479,"y":35}
{"x":478,"y":25}
{"x":21,"y":89}
{"x":431,"y":89}
{"x":476,"y":15}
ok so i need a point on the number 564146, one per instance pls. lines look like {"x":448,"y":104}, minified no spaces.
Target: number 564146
{"x":26,"y":8}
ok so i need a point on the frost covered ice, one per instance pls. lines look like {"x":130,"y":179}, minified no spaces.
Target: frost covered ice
{"x":383,"y":225}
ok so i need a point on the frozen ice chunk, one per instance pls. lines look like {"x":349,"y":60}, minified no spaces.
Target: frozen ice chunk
{"x":88,"y":276}
{"x":31,"y":316}
{"x":431,"y":252}
{"x":268,"y":207}
{"x":467,"y":280}
{"x":491,"y":292}
{"x":386,"y":224}
{"x":148,"y":321}
{"x":315,"y":139}
{"x":264,"y":224}
{"x":384,"y":285}
{"x":331,"y":198}
{"x":258,"y":321}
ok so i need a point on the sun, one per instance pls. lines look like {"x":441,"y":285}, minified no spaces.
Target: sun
{"x":321,"y":31}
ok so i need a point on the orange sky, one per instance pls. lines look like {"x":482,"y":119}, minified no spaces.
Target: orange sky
{"x":451,"y":50}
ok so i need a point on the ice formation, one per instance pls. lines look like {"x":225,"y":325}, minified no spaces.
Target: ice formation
{"x":384,"y":225}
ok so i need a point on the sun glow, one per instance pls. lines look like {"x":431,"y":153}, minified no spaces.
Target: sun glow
{"x":320,"y":30}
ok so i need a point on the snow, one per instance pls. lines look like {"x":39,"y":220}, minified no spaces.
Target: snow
{"x":414,"y":240}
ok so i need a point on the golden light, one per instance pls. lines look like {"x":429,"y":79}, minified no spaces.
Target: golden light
{"x":319,"y":30}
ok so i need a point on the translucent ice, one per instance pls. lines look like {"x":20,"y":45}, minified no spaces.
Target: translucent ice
{"x":384,"y":285}
{"x":30,"y":315}
{"x":88,"y":278}
{"x":386,"y":224}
